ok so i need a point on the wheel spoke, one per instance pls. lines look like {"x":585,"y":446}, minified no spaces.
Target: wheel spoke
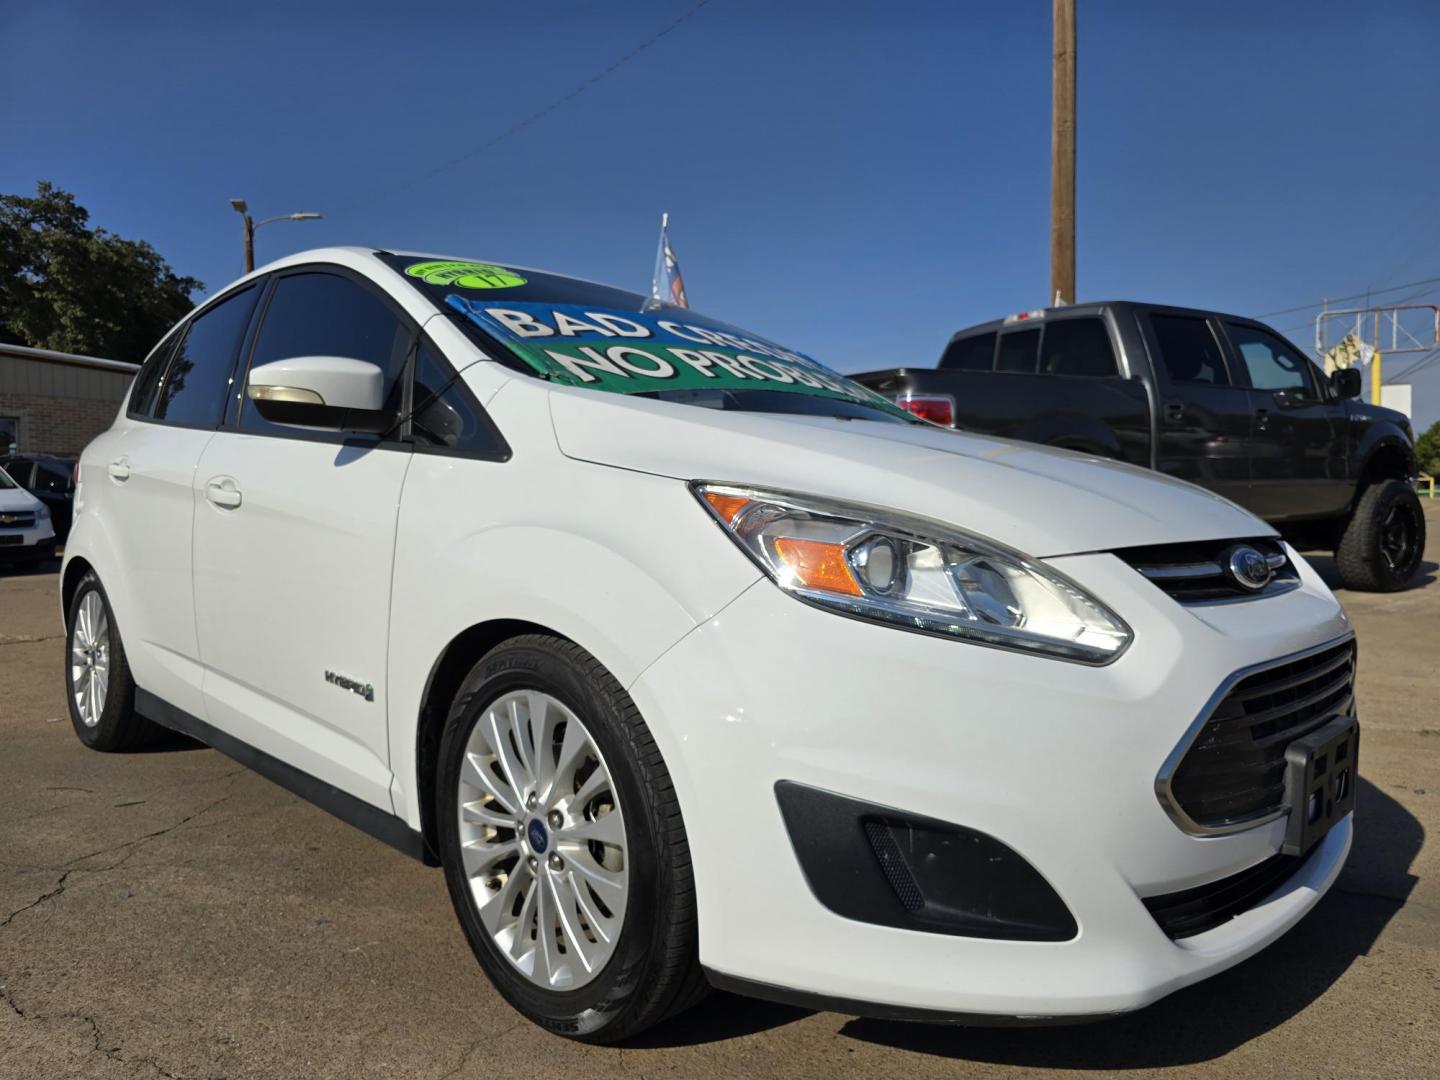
{"x":476,"y":773}
{"x":607,"y":828}
{"x":543,"y":720}
{"x":495,"y":911}
{"x":479,"y":814}
{"x":499,"y":730}
{"x":549,"y":952}
{"x":597,"y":922}
{"x":480,"y":857}
{"x":609,"y":883}
{"x":563,"y":900}
{"x":521,"y":939}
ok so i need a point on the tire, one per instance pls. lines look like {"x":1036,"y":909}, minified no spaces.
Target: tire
{"x":117,"y":726}
{"x":644,"y":964}
{"x":1383,"y":541}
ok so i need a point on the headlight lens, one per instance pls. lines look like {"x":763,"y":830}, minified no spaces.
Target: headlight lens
{"x":910,"y":572}
{"x":42,"y":512}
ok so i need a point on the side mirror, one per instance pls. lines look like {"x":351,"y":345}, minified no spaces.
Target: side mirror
{"x":1346,"y":382}
{"x":332,"y":392}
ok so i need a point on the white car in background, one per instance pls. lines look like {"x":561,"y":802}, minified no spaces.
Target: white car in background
{"x":27,"y":535}
{"x":694,"y":663}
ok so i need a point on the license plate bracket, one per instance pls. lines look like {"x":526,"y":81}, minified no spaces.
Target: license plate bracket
{"x":1320,"y":778}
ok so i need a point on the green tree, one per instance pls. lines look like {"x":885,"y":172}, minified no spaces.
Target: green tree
{"x":1427,"y":450}
{"x":66,"y":286}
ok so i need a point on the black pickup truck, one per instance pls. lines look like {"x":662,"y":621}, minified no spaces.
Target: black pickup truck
{"x":1219,"y":400}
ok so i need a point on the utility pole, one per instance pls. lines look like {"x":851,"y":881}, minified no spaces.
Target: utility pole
{"x":1062,"y":157}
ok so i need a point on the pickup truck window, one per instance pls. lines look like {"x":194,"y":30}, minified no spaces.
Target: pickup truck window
{"x":970,"y":354}
{"x":1077,"y":347}
{"x":1018,"y":351}
{"x":1272,"y":364}
{"x":1189,"y":351}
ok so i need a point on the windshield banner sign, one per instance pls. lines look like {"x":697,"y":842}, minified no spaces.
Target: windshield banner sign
{"x":647,"y":352}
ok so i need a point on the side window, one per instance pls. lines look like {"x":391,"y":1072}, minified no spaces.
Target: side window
{"x":20,"y":472}
{"x":320,"y":314}
{"x":194,"y":386}
{"x":1272,"y":364}
{"x":1188,"y":350}
{"x":142,"y":393}
{"x":1077,"y":347}
{"x":1018,"y":351}
{"x":52,"y":478}
{"x":443,"y":413}
{"x":970,"y":354}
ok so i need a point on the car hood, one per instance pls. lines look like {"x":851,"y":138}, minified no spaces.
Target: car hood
{"x":1042,"y":501}
{"x":17,"y":499}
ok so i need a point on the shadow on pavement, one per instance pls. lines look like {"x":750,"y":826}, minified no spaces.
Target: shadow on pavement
{"x":1199,"y":1023}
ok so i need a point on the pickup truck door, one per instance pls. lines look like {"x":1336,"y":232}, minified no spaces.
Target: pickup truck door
{"x":1203,"y":414}
{"x":1298,"y":456}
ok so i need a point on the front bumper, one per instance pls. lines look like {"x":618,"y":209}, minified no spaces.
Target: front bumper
{"x":1055,"y":760}
{"x":36,"y":542}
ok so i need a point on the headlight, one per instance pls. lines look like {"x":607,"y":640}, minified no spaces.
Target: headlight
{"x":42,"y":513}
{"x":910,"y":572}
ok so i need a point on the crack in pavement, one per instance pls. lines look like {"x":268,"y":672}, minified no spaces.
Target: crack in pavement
{"x":129,"y":847}
{"x":469,"y":1050}
{"x":28,"y":639}
{"x":98,"y":1040}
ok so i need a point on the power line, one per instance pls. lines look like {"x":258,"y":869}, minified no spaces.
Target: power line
{"x":521,"y":125}
{"x":1353,"y":296}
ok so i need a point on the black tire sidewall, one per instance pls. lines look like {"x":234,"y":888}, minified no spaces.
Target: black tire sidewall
{"x":1370,"y":517}
{"x":598,"y":1005}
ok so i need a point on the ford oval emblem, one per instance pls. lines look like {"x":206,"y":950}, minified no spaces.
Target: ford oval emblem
{"x":1248,"y":568}
{"x":536,"y":834}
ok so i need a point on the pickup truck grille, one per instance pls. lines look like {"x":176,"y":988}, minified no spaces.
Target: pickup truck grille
{"x":1196,"y":573}
{"x":1233,"y":772}
{"x":17,"y":519}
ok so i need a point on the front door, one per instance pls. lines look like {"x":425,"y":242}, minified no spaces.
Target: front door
{"x":1203,"y":420}
{"x":1298,"y":453}
{"x":294,"y":540}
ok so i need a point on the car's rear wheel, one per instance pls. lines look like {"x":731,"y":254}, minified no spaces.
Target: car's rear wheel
{"x":1384,"y":540}
{"x":563,"y":847}
{"x":101,"y":693}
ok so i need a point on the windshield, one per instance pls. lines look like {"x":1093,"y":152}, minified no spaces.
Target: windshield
{"x":5,"y":481}
{"x":576,"y":333}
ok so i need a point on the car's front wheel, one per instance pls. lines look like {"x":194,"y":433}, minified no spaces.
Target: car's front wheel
{"x":563,"y":846}
{"x":1384,"y":540}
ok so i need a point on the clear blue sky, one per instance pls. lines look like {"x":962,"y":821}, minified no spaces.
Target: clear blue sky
{"x":856,"y":180}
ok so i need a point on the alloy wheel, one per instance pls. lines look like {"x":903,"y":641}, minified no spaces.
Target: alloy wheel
{"x":1398,"y":535}
{"x":90,"y":659}
{"x":542,"y":839}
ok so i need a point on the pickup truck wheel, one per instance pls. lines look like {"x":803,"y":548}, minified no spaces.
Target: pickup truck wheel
{"x":563,"y":847}
{"x":1382,"y":544}
{"x":101,"y":692}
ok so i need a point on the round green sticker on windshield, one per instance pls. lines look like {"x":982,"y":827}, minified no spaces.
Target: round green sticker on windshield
{"x":468,"y":275}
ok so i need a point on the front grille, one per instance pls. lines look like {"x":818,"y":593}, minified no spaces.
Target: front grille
{"x":1195,"y":573}
{"x":17,"y":519}
{"x":1193,"y":911}
{"x":1234,"y":769}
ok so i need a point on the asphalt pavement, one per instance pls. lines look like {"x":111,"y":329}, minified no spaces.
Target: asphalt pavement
{"x":168,"y":913}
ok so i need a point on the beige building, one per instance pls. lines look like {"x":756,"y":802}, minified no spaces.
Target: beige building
{"x":55,"y":403}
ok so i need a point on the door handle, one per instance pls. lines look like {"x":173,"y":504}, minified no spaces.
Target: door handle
{"x":1174,"y":411}
{"x":223,"y":492}
{"x":120,"y":469}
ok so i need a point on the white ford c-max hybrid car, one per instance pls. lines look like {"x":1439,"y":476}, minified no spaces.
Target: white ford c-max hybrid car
{"x":694,"y":663}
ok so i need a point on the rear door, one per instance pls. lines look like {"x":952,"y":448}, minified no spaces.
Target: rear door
{"x":294,"y":540}
{"x":1298,"y":448}
{"x":145,"y":498}
{"x":1204,"y":421}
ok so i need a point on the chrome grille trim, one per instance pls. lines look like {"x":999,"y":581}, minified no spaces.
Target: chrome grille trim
{"x":1165,"y":776}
